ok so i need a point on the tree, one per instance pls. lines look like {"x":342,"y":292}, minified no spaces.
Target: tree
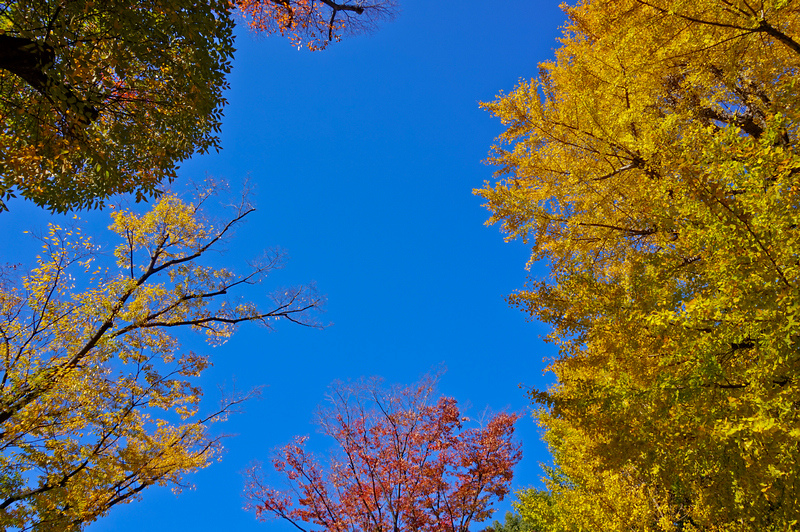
{"x":582,"y":493}
{"x":512,"y":523}
{"x":654,"y":166}
{"x":405,"y":463}
{"x":100,"y":98}
{"x":97,"y":401}
{"x":315,"y":23}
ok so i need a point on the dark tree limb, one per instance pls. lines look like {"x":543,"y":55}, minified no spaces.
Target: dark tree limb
{"x":359,"y":10}
{"x":31,"y":61}
{"x":745,"y":122}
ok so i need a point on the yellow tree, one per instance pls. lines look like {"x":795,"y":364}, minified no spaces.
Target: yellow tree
{"x":96,"y":395}
{"x":583,"y":493}
{"x":654,"y":165}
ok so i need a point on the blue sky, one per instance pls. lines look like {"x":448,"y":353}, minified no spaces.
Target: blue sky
{"x":363,"y":158}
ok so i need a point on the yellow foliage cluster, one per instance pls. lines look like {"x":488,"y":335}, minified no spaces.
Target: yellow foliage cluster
{"x":654,"y":164}
{"x":96,"y":394}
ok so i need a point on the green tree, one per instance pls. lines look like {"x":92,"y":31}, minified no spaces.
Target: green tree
{"x":97,"y":399}
{"x":99,"y":98}
{"x":654,"y":166}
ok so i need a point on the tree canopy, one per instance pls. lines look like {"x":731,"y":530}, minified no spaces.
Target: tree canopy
{"x":404,"y":462}
{"x":513,"y":523}
{"x":315,"y":23}
{"x":654,"y":166}
{"x":98,"y":400}
{"x":99,"y":98}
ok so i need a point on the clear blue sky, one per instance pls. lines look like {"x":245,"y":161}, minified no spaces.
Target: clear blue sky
{"x":363,"y":158}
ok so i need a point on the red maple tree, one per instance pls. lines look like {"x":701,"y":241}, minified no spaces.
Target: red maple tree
{"x":403,"y":463}
{"x":315,"y":23}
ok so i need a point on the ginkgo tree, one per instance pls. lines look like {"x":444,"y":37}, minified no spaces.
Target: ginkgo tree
{"x":98,"y":398}
{"x":99,"y":98}
{"x":404,"y":461}
{"x":582,"y":493}
{"x":654,"y":165}
{"x":513,"y":523}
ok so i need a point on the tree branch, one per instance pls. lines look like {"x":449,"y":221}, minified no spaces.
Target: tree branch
{"x":31,"y":60}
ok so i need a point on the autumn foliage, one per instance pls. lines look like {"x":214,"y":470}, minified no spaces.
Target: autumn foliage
{"x":404,"y":462}
{"x":314,"y":23}
{"x":98,"y":400}
{"x":654,"y":165}
{"x":102,"y":98}
{"x":99,"y":98}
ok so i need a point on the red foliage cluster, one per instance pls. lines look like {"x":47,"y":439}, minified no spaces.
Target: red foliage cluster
{"x":403,"y":463}
{"x":314,"y":23}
